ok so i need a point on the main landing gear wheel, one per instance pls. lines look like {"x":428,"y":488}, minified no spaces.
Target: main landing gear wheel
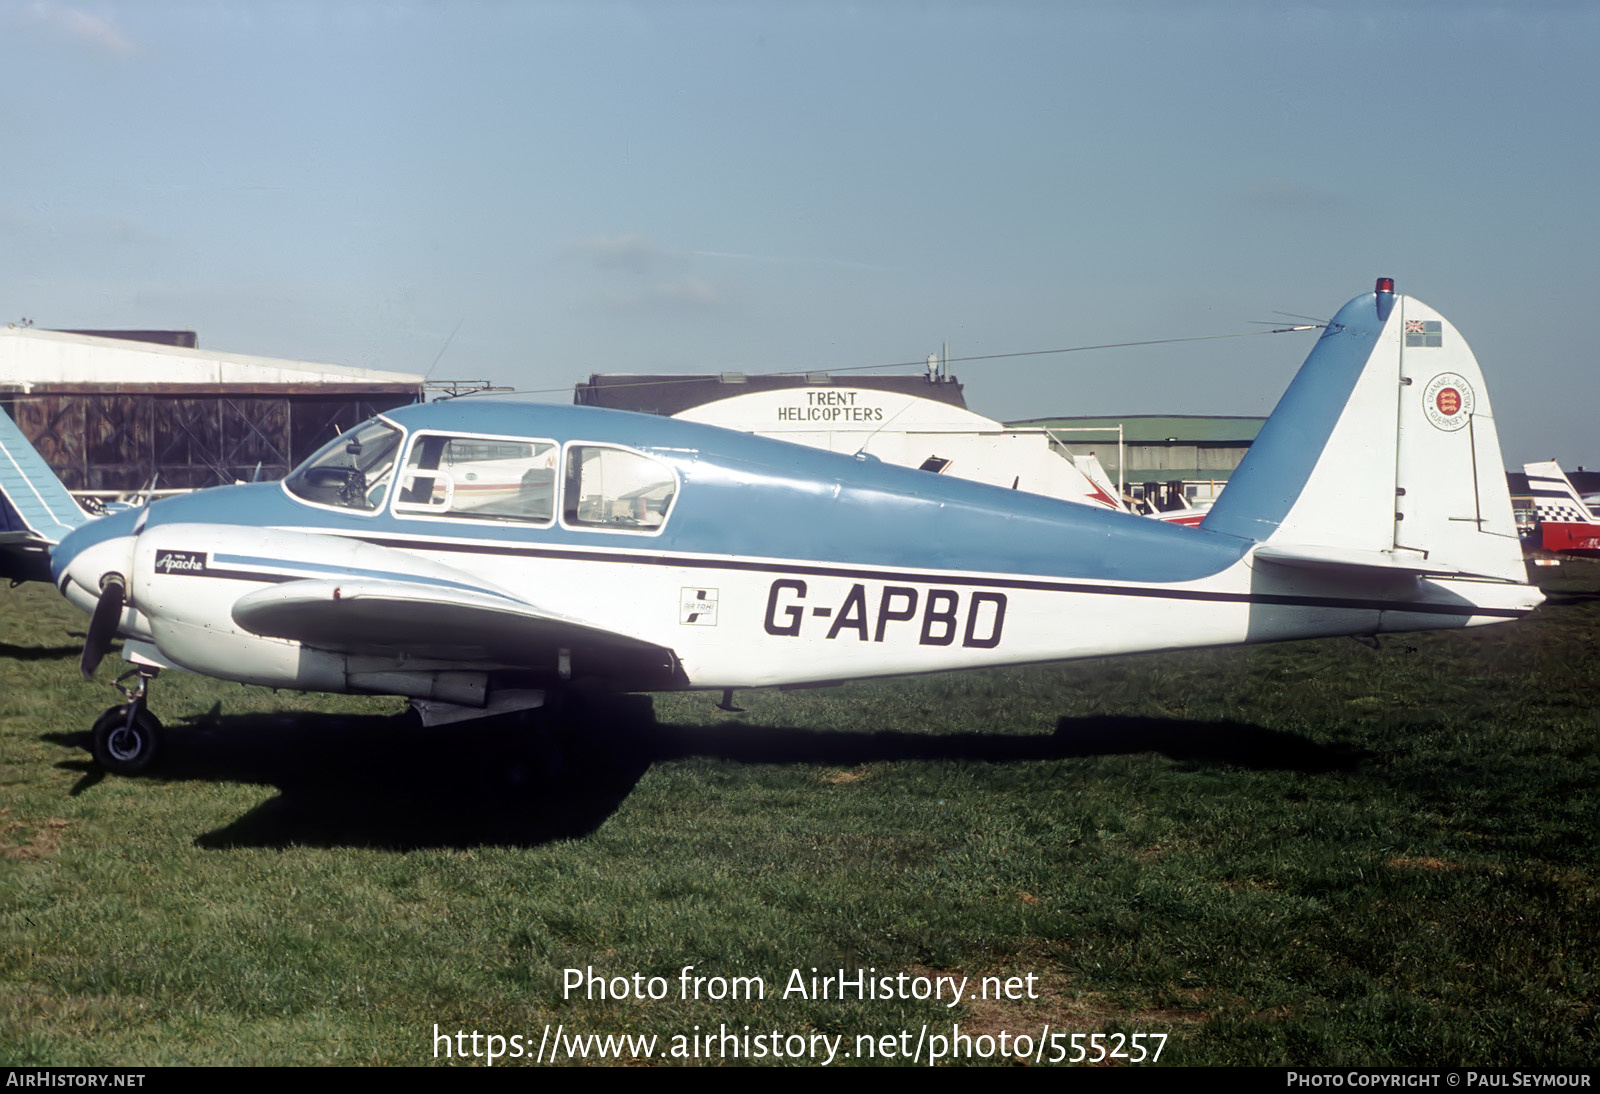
{"x":126,"y":745}
{"x":125,"y":737}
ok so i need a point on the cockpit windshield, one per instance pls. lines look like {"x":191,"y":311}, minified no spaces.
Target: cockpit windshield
{"x":352,"y":471}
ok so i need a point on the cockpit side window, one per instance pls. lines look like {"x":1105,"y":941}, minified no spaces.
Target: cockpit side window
{"x":616,"y":489}
{"x":352,"y":471}
{"x":479,"y":478}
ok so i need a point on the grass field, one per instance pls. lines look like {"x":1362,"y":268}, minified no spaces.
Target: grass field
{"x":1314,"y":853}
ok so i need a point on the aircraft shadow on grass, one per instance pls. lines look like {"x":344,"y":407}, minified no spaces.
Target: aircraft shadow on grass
{"x":9,"y":652}
{"x":1569,"y":600}
{"x":387,"y":782}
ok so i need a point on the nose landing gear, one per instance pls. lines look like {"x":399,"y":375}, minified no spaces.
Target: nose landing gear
{"x":125,"y":738}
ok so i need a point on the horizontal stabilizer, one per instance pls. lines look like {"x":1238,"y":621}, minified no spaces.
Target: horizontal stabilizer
{"x":1349,"y":558}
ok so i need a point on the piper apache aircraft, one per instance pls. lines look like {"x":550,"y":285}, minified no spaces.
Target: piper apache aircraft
{"x":639,"y":553}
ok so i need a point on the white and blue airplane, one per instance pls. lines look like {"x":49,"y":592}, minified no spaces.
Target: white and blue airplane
{"x":478,"y":557}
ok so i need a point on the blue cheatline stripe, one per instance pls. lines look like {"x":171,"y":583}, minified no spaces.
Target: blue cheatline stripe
{"x":279,"y":572}
{"x":947,"y":578}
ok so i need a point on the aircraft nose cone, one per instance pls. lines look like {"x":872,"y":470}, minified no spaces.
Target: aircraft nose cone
{"x":81,"y":561}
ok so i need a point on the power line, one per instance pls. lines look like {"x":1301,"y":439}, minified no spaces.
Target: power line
{"x":921,"y":364}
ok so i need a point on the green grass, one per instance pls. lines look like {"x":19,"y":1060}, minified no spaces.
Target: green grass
{"x":1313,"y":853}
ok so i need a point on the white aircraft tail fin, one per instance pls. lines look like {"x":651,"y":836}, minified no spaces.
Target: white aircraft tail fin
{"x":1096,"y":474}
{"x":1383,"y":452}
{"x":1554,"y":497}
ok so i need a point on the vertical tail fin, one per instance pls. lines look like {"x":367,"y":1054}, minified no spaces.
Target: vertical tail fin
{"x":1382,"y":452}
{"x":1566,"y":525}
{"x":1554,"y":497}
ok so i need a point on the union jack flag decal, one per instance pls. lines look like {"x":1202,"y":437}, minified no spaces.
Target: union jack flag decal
{"x":1424,"y":333}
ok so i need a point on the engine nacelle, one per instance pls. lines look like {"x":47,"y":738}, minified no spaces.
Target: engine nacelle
{"x":185,"y":595}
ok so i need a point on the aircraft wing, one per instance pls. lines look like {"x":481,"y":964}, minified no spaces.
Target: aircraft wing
{"x":35,"y":509}
{"x":32,"y":499}
{"x":364,"y":616}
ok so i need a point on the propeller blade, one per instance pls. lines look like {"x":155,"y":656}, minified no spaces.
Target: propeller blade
{"x":102,"y":628}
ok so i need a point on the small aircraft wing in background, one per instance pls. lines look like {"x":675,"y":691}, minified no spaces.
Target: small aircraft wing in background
{"x":36,"y":511}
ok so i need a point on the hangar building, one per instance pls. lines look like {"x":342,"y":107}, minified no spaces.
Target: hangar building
{"x":112,"y":410}
{"x":671,"y":395}
{"x":1162,"y":455}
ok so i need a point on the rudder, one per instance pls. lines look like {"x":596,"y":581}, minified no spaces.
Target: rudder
{"x":1383,"y":452}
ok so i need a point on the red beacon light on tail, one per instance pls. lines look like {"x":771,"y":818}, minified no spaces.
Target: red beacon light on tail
{"x":1384,"y":296}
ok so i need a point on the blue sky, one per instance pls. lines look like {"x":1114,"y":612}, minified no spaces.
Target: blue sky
{"x":680,"y":187}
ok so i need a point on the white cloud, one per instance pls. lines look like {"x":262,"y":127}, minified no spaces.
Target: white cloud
{"x":775,"y":259}
{"x":635,"y":253}
{"x":637,"y":274}
{"x":81,"y":26}
{"x":685,"y":290}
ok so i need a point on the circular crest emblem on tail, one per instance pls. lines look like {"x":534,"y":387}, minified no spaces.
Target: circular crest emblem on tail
{"x":1447,"y":401}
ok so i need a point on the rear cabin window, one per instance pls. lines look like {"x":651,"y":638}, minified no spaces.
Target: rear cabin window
{"x":479,"y":478}
{"x":615,"y":489}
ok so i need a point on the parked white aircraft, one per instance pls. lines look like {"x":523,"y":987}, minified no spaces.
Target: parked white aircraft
{"x":913,"y":431}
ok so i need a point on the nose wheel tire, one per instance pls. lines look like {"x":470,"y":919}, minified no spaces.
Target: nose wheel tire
{"x":125,"y":746}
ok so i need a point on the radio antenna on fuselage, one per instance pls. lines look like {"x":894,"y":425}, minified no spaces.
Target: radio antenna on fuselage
{"x":427,"y":375}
